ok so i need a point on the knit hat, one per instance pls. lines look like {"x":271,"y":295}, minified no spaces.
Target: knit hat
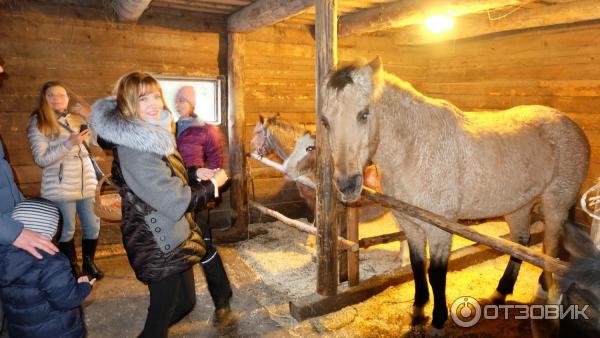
{"x":39,"y":215}
{"x":187,"y":93}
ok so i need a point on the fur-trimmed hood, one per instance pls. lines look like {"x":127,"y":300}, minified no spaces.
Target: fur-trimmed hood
{"x":110,"y":125}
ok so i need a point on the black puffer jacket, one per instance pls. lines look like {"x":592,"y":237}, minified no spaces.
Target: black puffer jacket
{"x":159,"y":233}
{"x":147,"y":260}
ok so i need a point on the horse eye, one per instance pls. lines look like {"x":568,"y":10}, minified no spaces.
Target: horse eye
{"x":310,"y":148}
{"x":363,"y":115}
{"x":325,"y":122}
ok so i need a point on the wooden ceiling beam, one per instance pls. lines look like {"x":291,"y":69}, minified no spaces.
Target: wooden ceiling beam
{"x":163,"y":4}
{"x":265,"y":12}
{"x":410,"y":12}
{"x":129,"y":10}
{"x":466,"y":27}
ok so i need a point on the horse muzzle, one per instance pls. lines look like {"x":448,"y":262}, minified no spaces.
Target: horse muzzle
{"x":349,"y":188}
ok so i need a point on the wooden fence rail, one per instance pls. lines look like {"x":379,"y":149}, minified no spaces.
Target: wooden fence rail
{"x":545,"y":262}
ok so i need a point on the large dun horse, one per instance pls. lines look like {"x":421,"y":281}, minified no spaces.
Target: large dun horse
{"x":460,"y":165}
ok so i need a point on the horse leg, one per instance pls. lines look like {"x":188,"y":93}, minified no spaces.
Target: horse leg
{"x":555,"y":215}
{"x":440,"y":243}
{"x":404,"y":253}
{"x":416,"y":244}
{"x":518,"y":223}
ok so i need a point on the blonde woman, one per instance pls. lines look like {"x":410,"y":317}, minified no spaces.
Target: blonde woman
{"x":57,"y":141}
{"x":158,"y":197}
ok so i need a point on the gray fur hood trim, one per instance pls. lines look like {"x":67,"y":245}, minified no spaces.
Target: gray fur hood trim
{"x":110,"y":125}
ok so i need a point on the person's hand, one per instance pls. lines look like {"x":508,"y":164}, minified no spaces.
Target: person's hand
{"x":78,"y":138}
{"x":220,"y":177}
{"x":82,"y":110}
{"x":86,"y":279}
{"x":204,"y":174}
{"x":30,"y":241}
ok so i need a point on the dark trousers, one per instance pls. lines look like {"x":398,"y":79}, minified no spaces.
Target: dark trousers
{"x":170,"y":300}
{"x":214,"y":271}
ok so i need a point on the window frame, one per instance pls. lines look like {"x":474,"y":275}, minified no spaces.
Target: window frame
{"x":217,"y":85}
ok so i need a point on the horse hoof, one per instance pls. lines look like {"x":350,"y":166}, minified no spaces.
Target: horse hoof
{"x":418,"y":316}
{"x":435,"y":332}
{"x":497,"y":298}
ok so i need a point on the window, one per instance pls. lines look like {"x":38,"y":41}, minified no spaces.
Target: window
{"x":208,"y":96}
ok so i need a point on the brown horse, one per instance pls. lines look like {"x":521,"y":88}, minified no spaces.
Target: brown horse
{"x":457,"y":164}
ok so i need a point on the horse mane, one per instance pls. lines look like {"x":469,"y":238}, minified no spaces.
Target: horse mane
{"x":342,"y":76}
{"x":446,"y":108}
{"x":286,"y":133}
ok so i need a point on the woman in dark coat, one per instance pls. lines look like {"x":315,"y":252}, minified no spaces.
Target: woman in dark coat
{"x":159,"y":234}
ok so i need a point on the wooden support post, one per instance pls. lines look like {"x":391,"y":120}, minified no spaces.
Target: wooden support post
{"x":236,"y":119}
{"x":327,"y":227}
{"x":545,"y":262}
{"x":352,"y":235}
{"x":343,"y":256}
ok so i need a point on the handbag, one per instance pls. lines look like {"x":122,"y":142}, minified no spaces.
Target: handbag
{"x":97,"y":170}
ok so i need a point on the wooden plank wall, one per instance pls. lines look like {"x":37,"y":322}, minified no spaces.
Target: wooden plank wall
{"x":81,"y":47}
{"x":280,"y":78}
{"x":553,"y":66}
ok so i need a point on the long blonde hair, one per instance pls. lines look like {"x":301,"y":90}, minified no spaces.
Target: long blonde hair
{"x":130,"y":88}
{"x":47,"y":121}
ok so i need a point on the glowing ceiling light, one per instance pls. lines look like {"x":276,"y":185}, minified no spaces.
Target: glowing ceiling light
{"x":439,"y":23}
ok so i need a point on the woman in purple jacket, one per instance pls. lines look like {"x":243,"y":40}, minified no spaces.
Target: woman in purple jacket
{"x":200,"y":146}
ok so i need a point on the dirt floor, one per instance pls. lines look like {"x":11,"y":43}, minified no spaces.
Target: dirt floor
{"x":277,"y":266}
{"x":284,"y":259}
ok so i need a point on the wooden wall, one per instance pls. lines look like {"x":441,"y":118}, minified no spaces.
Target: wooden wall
{"x":280,"y":78}
{"x":84,"y":48}
{"x":554,"y":66}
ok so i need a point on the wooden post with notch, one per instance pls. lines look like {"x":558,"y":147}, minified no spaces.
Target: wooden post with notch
{"x":327,"y":227}
{"x":236,"y":119}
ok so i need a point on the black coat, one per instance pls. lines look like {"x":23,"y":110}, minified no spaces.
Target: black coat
{"x":145,"y":257}
{"x":159,"y":233}
{"x":40,"y":296}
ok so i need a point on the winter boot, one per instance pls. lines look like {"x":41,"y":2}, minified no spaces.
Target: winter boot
{"x":68,"y":248}
{"x":218,"y":287}
{"x":90,"y":269}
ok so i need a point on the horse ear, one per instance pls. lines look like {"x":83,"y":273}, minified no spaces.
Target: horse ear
{"x":261,"y":119}
{"x":376,"y":65}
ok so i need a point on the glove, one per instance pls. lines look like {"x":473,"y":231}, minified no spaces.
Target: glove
{"x":202,"y":193}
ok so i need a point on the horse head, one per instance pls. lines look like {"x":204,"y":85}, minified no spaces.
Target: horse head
{"x":351,"y":126}
{"x":259,"y":140}
{"x":303,"y":159}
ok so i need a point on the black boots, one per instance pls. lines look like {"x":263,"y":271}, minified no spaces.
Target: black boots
{"x":218,"y":287}
{"x":88,"y":247}
{"x":68,"y":248}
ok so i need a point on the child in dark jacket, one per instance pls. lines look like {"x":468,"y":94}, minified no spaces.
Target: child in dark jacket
{"x":41,"y":297}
